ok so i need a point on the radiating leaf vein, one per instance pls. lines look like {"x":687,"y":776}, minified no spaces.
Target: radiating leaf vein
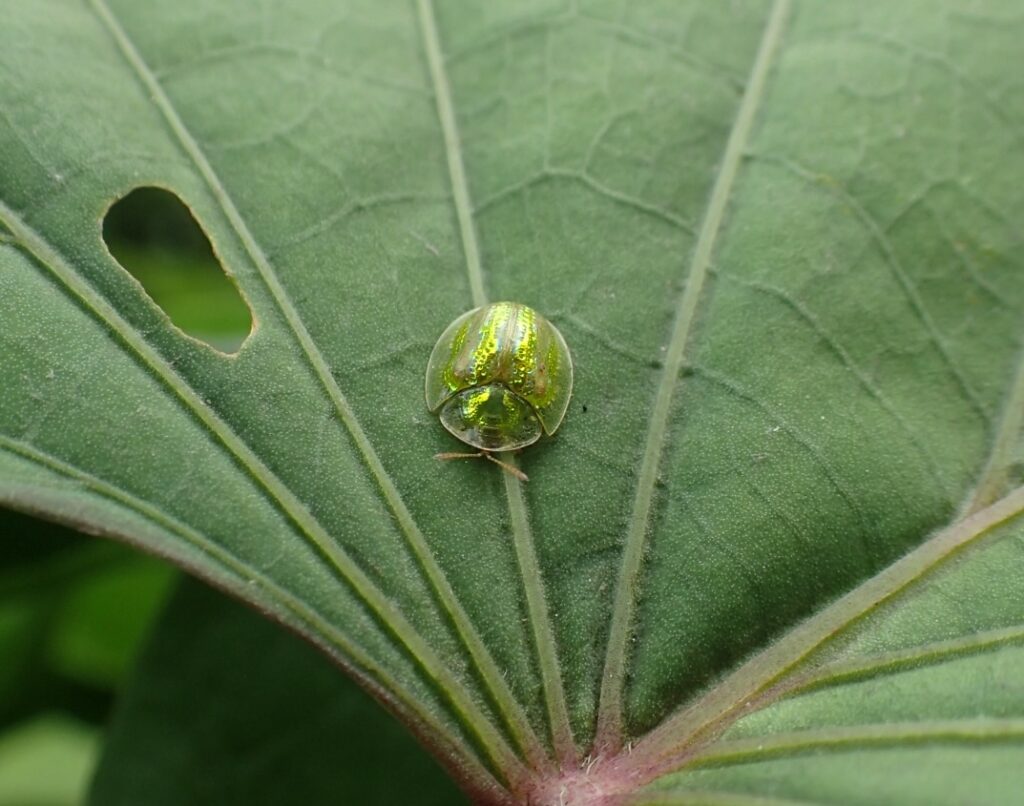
{"x":750,"y":686}
{"x":278,"y":493}
{"x":894,"y":734}
{"x":414,"y":537}
{"x":554,"y":694}
{"x":246,"y":581}
{"x":610,"y":716}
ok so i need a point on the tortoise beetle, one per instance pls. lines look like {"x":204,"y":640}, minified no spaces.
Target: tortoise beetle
{"x":499,"y":377}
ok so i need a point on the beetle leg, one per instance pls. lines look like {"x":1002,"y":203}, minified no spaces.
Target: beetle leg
{"x":515,"y":471}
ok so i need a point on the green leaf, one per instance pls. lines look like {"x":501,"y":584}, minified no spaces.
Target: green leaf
{"x":191,"y":730}
{"x":783,"y":242}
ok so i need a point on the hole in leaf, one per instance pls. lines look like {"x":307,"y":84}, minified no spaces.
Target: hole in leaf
{"x":154,"y":236}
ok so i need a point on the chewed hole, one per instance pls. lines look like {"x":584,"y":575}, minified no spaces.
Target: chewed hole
{"x":154,"y":236}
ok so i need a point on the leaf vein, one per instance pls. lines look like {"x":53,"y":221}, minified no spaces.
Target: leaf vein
{"x":296,"y":512}
{"x":415,"y":539}
{"x":554,"y":694}
{"x":586,"y":180}
{"x":610,"y":716}
{"x":896,"y":268}
{"x":995,"y":474}
{"x":287,"y":607}
{"x":847,"y":361}
{"x":816,"y":454}
{"x":894,"y":734}
{"x":757,"y":682}
{"x":937,"y":652}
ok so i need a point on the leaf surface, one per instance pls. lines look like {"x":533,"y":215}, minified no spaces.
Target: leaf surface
{"x":782,"y":240}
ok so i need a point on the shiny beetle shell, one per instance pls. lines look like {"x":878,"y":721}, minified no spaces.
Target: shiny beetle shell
{"x":499,"y":377}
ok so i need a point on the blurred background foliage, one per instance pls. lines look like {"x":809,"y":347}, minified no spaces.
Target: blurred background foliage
{"x":73,"y":612}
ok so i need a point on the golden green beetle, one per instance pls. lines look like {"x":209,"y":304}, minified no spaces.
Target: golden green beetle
{"x":499,"y":377}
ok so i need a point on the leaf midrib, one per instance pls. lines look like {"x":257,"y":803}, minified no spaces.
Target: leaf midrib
{"x":610,"y":706}
{"x":536,"y":602}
